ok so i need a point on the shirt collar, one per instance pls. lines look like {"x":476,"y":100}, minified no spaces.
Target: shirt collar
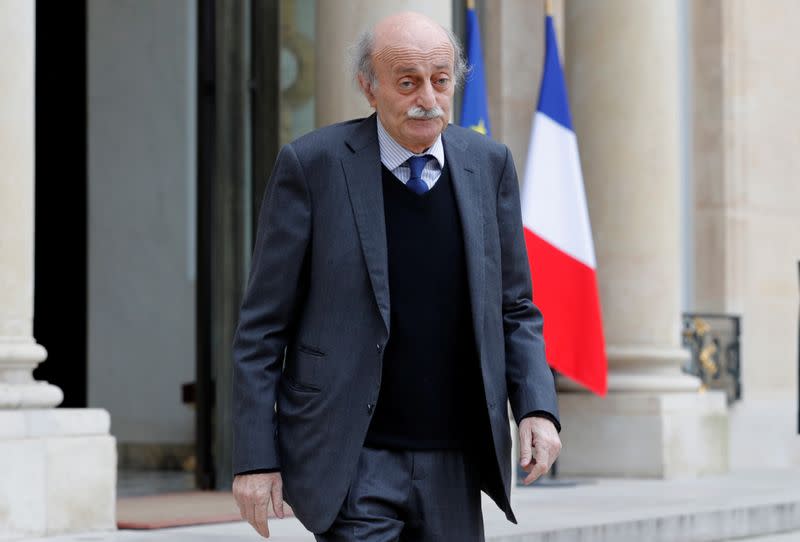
{"x":393,"y":154}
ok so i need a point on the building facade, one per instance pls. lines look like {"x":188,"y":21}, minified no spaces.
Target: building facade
{"x":172,"y":113}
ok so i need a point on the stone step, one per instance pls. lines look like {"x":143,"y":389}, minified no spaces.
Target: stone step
{"x":719,"y":508}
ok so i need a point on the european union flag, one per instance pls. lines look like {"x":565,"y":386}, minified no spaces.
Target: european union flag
{"x":475,"y":106}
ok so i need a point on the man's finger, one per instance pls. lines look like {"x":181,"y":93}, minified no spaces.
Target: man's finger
{"x":543,"y":458}
{"x":536,"y":472}
{"x":540,"y":465}
{"x":248,"y":513}
{"x":525,"y":453}
{"x":277,"y":500}
{"x":260,"y":514}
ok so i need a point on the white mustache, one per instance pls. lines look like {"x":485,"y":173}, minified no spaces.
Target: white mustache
{"x":420,"y":113}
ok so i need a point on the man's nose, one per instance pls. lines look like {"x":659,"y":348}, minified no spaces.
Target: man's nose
{"x":426,"y":97}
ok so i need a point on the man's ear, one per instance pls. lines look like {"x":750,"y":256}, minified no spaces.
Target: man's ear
{"x":366,"y":88}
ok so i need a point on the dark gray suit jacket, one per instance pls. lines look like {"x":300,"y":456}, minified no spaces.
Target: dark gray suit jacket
{"x":315,"y":315}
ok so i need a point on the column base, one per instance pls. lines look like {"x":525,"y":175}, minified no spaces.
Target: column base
{"x":642,"y":434}
{"x":58,"y":473}
{"x":643,"y":369}
{"x":19,"y":356}
{"x":36,"y":394}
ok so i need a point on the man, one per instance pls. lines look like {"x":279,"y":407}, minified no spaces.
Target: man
{"x":389,"y":317}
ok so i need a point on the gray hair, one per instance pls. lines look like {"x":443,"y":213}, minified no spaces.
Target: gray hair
{"x":361,"y":58}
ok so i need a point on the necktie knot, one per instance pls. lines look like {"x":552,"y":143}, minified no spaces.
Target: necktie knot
{"x":416,"y":164}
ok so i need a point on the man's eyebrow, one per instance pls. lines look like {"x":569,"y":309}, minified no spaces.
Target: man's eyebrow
{"x":406,"y":69}
{"x":414,"y":69}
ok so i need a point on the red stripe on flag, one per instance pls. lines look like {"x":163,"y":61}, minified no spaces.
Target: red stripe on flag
{"x":565,"y":290}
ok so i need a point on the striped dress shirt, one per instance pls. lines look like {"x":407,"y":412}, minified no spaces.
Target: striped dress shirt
{"x":394,"y":156}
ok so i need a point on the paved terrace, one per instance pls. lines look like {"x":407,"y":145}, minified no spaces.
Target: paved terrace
{"x":763,"y":506}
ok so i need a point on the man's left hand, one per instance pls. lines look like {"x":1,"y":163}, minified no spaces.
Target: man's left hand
{"x":539,"y":447}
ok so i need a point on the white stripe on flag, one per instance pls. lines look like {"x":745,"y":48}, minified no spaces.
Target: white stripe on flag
{"x":553,"y":198}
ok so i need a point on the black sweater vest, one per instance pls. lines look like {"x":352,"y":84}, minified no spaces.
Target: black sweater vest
{"x":430,"y":386}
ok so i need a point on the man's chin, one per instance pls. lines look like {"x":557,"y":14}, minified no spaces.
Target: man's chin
{"x":426,"y":131}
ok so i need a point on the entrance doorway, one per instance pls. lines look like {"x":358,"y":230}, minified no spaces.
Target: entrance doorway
{"x":60,"y":217}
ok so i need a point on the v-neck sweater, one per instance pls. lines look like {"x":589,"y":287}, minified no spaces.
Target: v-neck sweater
{"x":429,"y":385}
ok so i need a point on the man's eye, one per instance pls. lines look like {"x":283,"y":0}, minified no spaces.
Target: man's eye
{"x":406,"y":84}
{"x":444,"y":81}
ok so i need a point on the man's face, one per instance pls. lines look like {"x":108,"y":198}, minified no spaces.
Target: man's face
{"x":413,"y":81}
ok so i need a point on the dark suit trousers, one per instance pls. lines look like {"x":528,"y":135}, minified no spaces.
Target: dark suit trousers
{"x":405,"y":496}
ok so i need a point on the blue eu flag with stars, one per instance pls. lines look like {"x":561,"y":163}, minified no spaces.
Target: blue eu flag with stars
{"x":475,"y":106}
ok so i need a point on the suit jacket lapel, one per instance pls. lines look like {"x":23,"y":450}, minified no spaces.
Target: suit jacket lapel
{"x":467,"y":188}
{"x":362,"y":169}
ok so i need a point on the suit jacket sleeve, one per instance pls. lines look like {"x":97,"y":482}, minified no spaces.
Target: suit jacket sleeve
{"x":268,"y":312}
{"x":528,"y":377}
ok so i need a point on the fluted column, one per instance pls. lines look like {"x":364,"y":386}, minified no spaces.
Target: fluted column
{"x":19,"y":352}
{"x":623,"y":72}
{"x":339,"y":25}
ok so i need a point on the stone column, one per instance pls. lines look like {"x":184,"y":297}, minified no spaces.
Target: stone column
{"x":19,"y":352}
{"x":747,"y":209}
{"x":57,"y":467}
{"x":623,"y":77}
{"x":513,"y":40}
{"x":337,"y":95}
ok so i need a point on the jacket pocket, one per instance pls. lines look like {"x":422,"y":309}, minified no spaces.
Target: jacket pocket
{"x":310,"y":350}
{"x":305,"y":369}
{"x":293,"y":385}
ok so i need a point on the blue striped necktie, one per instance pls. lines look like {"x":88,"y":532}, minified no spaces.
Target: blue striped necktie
{"x":415,"y":182}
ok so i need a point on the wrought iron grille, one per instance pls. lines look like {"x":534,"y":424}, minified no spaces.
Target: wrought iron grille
{"x":713,"y":340}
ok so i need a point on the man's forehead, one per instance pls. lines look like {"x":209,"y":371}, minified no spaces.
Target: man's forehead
{"x":404,"y":58}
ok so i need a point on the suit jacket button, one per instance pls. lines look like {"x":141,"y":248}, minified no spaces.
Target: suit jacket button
{"x":379,"y":347}
{"x":370,"y":408}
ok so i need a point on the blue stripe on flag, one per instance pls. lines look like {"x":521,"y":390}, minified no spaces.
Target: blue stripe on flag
{"x":553,"y":94}
{"x":475,"y":105}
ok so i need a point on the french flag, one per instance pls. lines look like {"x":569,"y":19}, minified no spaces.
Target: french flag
{"x":559,"y":237}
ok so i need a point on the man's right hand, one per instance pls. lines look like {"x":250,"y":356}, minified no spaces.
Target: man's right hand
{"x":253,"y":493}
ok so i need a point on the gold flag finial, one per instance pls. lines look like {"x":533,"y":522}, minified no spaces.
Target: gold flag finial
{"x":548,"y":7}
{"x":471,"y":4}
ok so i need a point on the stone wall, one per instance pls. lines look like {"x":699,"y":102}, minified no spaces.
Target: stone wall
{"x":747,"y":205}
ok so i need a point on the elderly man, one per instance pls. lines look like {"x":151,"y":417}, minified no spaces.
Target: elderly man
{"x":388,"y":318}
